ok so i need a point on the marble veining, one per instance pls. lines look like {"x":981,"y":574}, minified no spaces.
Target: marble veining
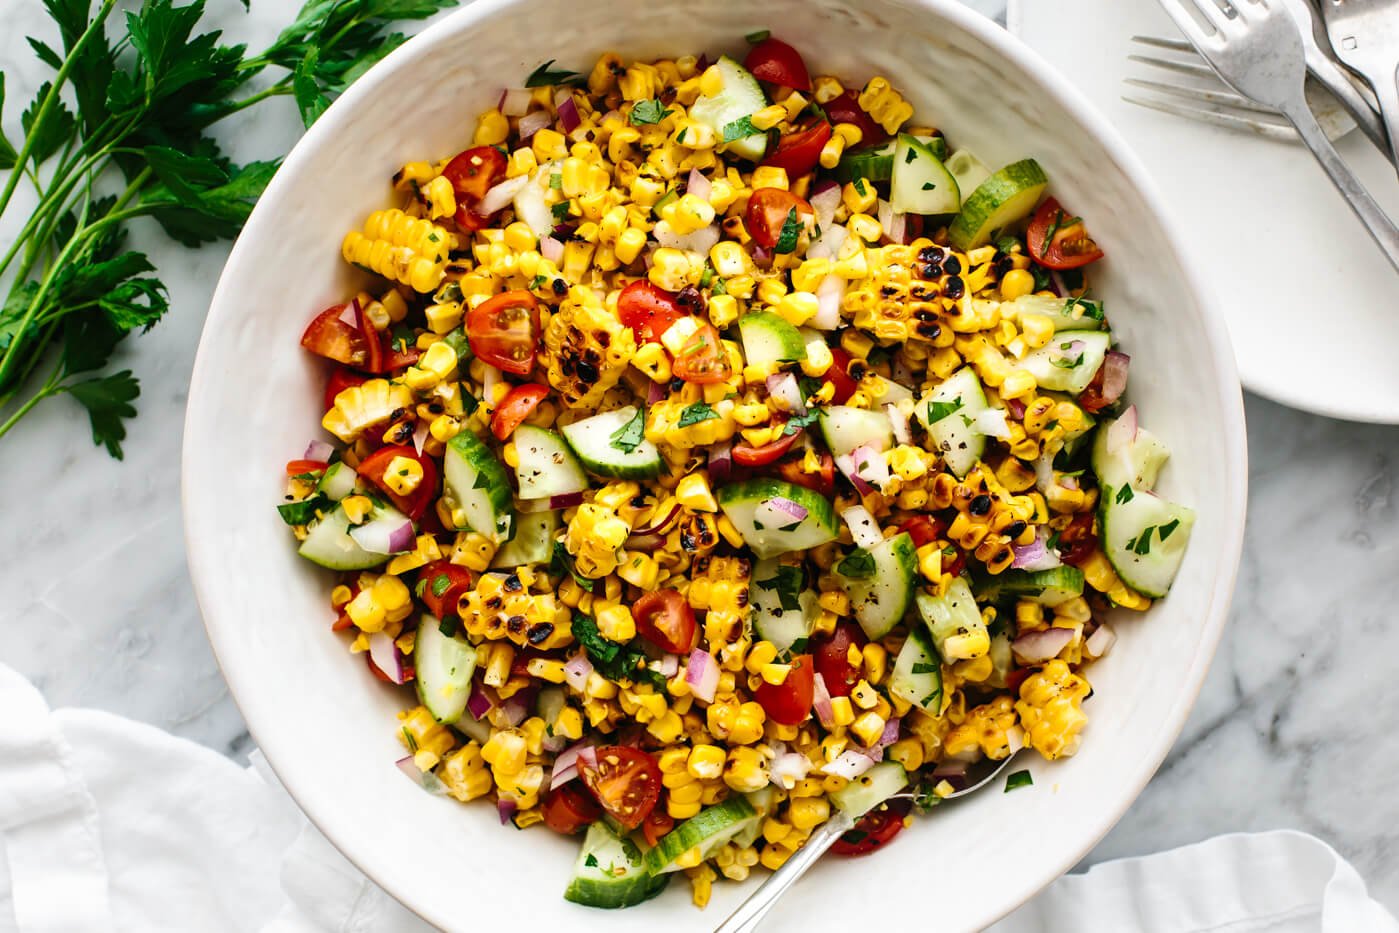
{"x":1289,"y":731}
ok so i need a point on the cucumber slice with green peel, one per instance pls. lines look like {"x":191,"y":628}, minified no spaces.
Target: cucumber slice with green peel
{"x":547,"y":466}
{"x":611,"y":445}
{"x":769,"y":340}
{"x":949,"y":414}
{"x":475,"y":482}
{"x":741,"y":96}
{"x":921,"y":184}
{"x":707,"y":830}
{"x":770,"y":529}
{"x":917,"y":674}
{"x":1066,"y":313}
{"x":610,"y":872}
{"x":1069,"y":361}
{"x":338,"y":481}
{"x":968,"y":170}
{"x":783,"y":610}
{"x":999,"y":201}
{"x":533,"y":542}
{"x":846,"y":428}
{"x":955,"y":622}
{"x":876,"y":163}
{"x":1049,"y":588}
{"x":1136,"y":463}
{"x":879,"y":598}
{"x":1144,"y":537}
{"x":764,"y":801}
{"x":329,"y":544}
{"x":870,"y":789}
{"x":443,"y":666}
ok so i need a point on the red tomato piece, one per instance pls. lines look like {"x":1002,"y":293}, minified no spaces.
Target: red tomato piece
{"x":657,"y":825}
{"x":517,"y":405}
{"x":373,"y":342}
{"x":473,"y":173}
{"x":957,"y":564}
{"x":444,"y":583}
{"x":703,"y":359}
{"x":846,"y":109}
{"x":768,"y":210}
{"x":832,"y":656}
{"x":396,"y":359}
{"x":799,"y":151}
{"x":1077,"y":542}
{"x":874,"y":829}
{"x":504,"y":331}
{"x":297,"y":467}
{"x":1015,"y":678}
{"x":750,"y":456}
{"x":376,"y":464}
{"x":839,"y":376}
{"x":408,"y":671}
{"x":923,"y":529}
{"x":1092,"y":398}
{"x":664,"y":618}
{"x":1057,"y":240}
{"x":339,"y":381}
{"x":332,"y":338}
{"x":625,"y":781}
{"x":776,"y":62}
{"x":648,"y":310}
{"x":568,"y":809}
{"x":790,"y":701}
{"x":793,"y":470}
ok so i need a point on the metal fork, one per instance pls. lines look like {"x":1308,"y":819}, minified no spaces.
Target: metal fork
{"x":1256,"y":47}
{"x":1365,"y":36}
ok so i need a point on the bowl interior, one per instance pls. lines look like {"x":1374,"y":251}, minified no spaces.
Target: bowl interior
{"x":329,"y":730}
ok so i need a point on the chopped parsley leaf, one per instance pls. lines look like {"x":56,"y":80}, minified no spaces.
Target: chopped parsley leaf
{"x":791,"y":231}
{"x":560,"y":210}
{"x":923,"y":667}
{"x":860,"y":187}
{"x":1017,"y":780}
{"x":563,"y":563}
{"x":787,"y":584}
{"x":928,"y":186}
{"x":1124,"y":495}
{"x":648,"y":112}
{"x":940,"y":410}
{"x":630,"y":435}
{"x":440,"y":583}
{"x":694,"y":414}
{"x":1166,"y":530}
{"x":753,"y":38}
{"x":543,"y":76}
{"x":741,"y":128}
{"x":858,"y":564}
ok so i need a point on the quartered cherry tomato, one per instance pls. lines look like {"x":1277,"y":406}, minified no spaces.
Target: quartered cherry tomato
{"x":373,"y":342}
{"x":332,"y":338}
{"x":443,"y":585}
{"x":799,"y":150}
{"x":472,"y":174}
{"x":568,"y":809}
{"x":1092,"y":398}
{"x":376,"y":464}
{"x":625,"y":781}
{"x":297,"y":467}
{"x":874,"y":829}
{"x":1077,"y":542}
{"x":339,"y":381}
{"x":504,"y":331}
{"x":702,"y":358}
{"x":750,"y":456}
{"x":839,"y":376}
{"x":648,"y":310}
{"x":790,"y":701}
{"x":664,"y":618}
{"x":793,"y":470}
{"x":1059,"y":240}
{"x":657,"y":825}
{"x":768,"y":210}
{"x":832,"y":656}
{"x":846,"y":109}
{"x":923,"y":529}
{"x":776,"y":62}
{"x":518,"y":405}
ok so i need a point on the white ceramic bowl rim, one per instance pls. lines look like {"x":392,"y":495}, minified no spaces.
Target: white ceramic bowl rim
{"x":205,"y":561}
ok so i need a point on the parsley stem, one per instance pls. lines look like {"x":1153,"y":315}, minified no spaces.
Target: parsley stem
{"x":47,"y":389}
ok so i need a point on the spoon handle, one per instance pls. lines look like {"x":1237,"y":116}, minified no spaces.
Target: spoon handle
{"x":751,"y":912}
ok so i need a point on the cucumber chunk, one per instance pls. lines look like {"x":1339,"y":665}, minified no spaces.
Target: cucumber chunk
{"x":474,"y":481}
{"x":968,"y":170}
{"x":610,"y":872}
{"x":338,"y":481}
{"x":880,"y":599}
{"x":949,"y":413}
{"x":769,"y":340}
{"x":1144,"y":537}
{"x":999,"y":201}
{"x":444,"y":665}
{"x":1049,"y":588}
{"x":741,"y":96}
{"x":1136,"y":464}
{"x":1069,"y":361}
{"x":846,"y":428}
{"x":329,"y":544}
{"x":917,"y":675}
{"x":1066,"y":313}
{"x":876,"y":163}
{"x":592,"y":439}
{"x":533,"y":542}
{"x":783,"y":610}
{"x":870,"y":789}
{"x":547,"y":465}
{"x":769,"y":530}
{"x":921,"y":184}
{"x":955,"y":622}
{"x":709,"y":829}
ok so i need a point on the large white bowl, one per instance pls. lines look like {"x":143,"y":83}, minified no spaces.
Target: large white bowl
{"x":328,"y":729}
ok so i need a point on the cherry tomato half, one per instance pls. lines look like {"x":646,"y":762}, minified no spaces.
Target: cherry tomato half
{"x":339,"y":381}
{"x":297,"y":467}
{"x":648,"y":310}
{"x":874,"y":829}
{"x":846,"y":109}
{"x":790,"y":701}
{"x":1058,"y":240}
{"x":373,"y":342}
{"x":799,"y":151}
{"x":793,"y":470}
{"x":1077,"y":542}
{"x":776,"y":62}
{"x":332,"y":338}
{"x":768,"y":210}
{"x":504,"y":331}
{"x":832,"y":655}
{"x":923,"y":529}
{"x":839,"y":376}
{"x":568,"y":809}
{"x":1092,"y":398}
{"x":473,"y":173}
{"x":750,"y":456}
{"x":376,"y":464}
{"x":657,"y":825}
{"x":703,"y":359}
{"x":664,"y":618}
{"x":444,"y":583}
{"x":626,"y":781}
{"x":518,"y":405}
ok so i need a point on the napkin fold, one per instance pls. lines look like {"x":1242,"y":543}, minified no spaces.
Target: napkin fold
{"x":112,"y":825}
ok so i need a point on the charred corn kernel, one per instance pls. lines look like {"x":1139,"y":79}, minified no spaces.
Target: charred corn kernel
{"x":403,"y":475}
{"x":1017,"y":283}
{"x":831,"y":152}
{"x":706,"y":762}
{"x":694,"y":493}
{"x":884,"y":104}
{"x":746,"y":770}
{"x":651,"y":359}
{"x":766,"y":119}
{"x":826,"y":89}
{"x":808,"y":812}
{"x":770,"y":176}
{"x":492,"y":129}
{"x":723,"y":310}
{"x":842,"y":711}
{"x":868,"y":728}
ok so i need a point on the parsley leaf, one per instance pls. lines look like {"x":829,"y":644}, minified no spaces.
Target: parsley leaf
{"x":648,"y":112}
{"x":858,"y":564}
{"x":753,"y":38}
{"x":694,"y":414}
{"x":741,"y":128}
{"x":940,"y":410}
{"x":1017,"y":780}
{"x":562,"y":563}
{"x":787,"y":584}
{"x":611,"y":659}
{"x":108,"y":402}
{"x":440,"y":584}
{"x":1065,"y":363}
{"x":791,"y":231}
{"x":630,"y":435}
{"x":590,"y":860}
{"x":1142,"y":544}
{"x":860,"y":187}
{"x":299,"y":513}
{"x":1166,"y":530}
{"x":1124,"y":495}
{"x":545,"y":75}
{"x":799,"y":422}
{"x":923,"y":667}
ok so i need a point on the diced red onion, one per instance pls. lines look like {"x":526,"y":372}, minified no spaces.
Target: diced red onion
{"x":788,"y":768}
{"x":828,"y":244}
{"x":953,"y":771}
{"x":577,"y":671}
{"x":501,"y":195}
{"x":489,"y":381}
{"x":699,"y":185}
{"x":784,"y":388}
{"x":566,"y":764}
{"x":1115,"y":366}
{"x":1044,"y":645}
{"x":899,"y":421}
{"x":1101,"y":641}
{"x":420,"y":436}
{"x":1068,"y":482}
{"x":655,"y":392}
{"x":565,"y":500}
{"x":568,"y":113}
{"x":1037,"y":555}
{"x":1058,"y":286}
{"x":350,"y":314}
{"x":894,"y":223}
{"x":530,"y":205}
{"x":846,"y":464}
{"x":870,"y":465}
{"x":669,"y":666}
{"x":890,"y":734}
{"x":1027,"y":553}
{"x":702,"y":674}
{"x":849,"y":764}
{"x":551,"y":249}
{"x":532,"y":123}
{"x":533,"y":505}
{"x":1123,"y":431}
{"x":319,"y":450}
{"x":783,"y":504}
{"x":387,"y":658}
{"x":424,"y":779}
{"x":828,"y":297}
{"x":646,"y":257}
{"x":514,"y":711}
{"x":663,"y":524}
{"x":703,"y":64}
{"x":1068,"y":353}
{"x":721,"y":461}
{"x":479,"y":703}
{"x":700,"y":241}
{"x":384,"y":536}
{"x":1044,"y":473}
{"x":1016,"y":408}
{"x":761,"y":255}
{"x":991,"y":422}
{"x":506,"y":807}
{"x":515,"y":101}
{"x":824,"y":203}
{"x":821,"y":703}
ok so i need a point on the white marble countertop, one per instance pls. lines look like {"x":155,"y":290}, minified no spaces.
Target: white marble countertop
{"x":1290,"y":731}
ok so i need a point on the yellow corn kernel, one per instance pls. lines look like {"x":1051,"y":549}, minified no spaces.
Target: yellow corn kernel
{"x":723,"y":310}
{"x":808,"y":812}
{"x":1018,"y":384}
{"x":831,"y":152}
{"x":403,"y":475}
{"x":875,"y":662}
{"x":492,"y":129}
{"x":729,"y":259}
{"x":865,"y":227}
{"x":1017,"y":283}
{"x":818,"y":359}
{"x":706,"y":762}
{"x":842,"y":711}
{"x":868,"y":728}
{"x":862,"y":694}
{"x":357,"y":508}
{"x":694,"y":493}
{"x":826,"y":89}
{"x":797,"y":307}
{"x":770,"y":176}
{"x":630,"y":244}
{"x":548,"y":145}
{"x":775,"y":674}
{"x":711,"y":82}
{"x":766,"y":119}
{"x":616,"y":623}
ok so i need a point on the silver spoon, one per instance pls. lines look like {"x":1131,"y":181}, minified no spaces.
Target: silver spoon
{"x":751,"y":912}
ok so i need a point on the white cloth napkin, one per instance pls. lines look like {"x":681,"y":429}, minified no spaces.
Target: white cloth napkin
{"x":111,"y":825}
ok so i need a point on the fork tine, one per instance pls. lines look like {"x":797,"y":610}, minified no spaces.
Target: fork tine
{"x":1218,"y":118}
{"x":1174,"y":45}
{"x":1195,"y":69}
{"x":1225,"y":98}
{"x":1186,"y":22}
